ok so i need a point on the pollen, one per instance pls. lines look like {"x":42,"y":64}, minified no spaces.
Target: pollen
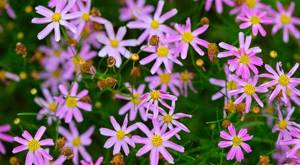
{"x":244,"y":59}
{"x":236,"y":141}
{"x":255,"y":20}
{"x":33,"y":145}
{"x":282,"y":124}
{"x":162,"y":51}
{"x":85,"y":17}
{"x":168,"y":119}
{"x":187,"y":37}
{"x":154,"y":24}
{"x":165,"y":78}
{"x":120,"y":135}
{"x":56,"y":17}
{"x":185,"y":76}
{"x":285,"y":19}
{"x":156,"y":140}
{"x":76,"y":142}
{"x":114,"y":43}
{"x":155,"y":95}
{"x":283,"y":80}
{"x":249,"y":89}
{"x":52,"y":107}
{"x":71,"y":102}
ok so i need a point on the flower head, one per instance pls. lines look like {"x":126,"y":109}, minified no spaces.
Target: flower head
{"x":134,"y":9}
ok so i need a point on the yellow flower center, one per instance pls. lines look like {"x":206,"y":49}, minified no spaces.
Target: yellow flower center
{"x":165,"y":78}
{"x":57,"y":53}
{"x":56,"y":74}
{"x":78,"y":60}
{"x":52,"y":107}
{"x":283,"y":80}
{"x":231,"y":85}
{"x":114,"y":43}
{"x":56,"y":17}
{"x":71,"y":102}
{"x":282,"y":124}
{"x":236,"y":141}
{"x":251,"y":3}
{"x":120,"y":135}
{"x":285,"y":19}
{"x":185,"y":76}
{"x":85,"y":17}
{"x":167,"y":119}
{"x":288,"y":91}
{"x":76,"y":142}
{"x":135,"y":98}
{"x":155,"y":95}
{"x":2,"y":75}
{"x":244,"y":59}
{"x":156,"y":140}
{"x":249,"y":89}
{"x":255,"y":20}
{"x":154,"y":24}
{"x":33,"y":145}
{"x":162,"y":51}
{"x":187,"y":37}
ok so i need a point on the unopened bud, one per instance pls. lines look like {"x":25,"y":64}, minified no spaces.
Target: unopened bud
{"x":67,"y":152}
{"x":95,"y":12}
{"x":135,"y":57}
{"x":72,"y":41}
{"x":241,"y":107}
{"x":86,"y":99}
{"x":225,"y":124}
{"x":13,"y":161}
{"x":111,"y":62}
{"x":204,"y":21}
{"x":154,"y":40}
{"x":256,"y":109}
{"x":264,"y":160}
{"x":135,"y":71}
{"x":118,"y":159}
{"x":212,"y":51}
{"x":21,"y":49}
{"x":273,"y":54}
{"x":60,"y":143}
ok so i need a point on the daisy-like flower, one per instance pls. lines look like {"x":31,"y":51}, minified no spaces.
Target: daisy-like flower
{"x":4,"y":5}
{"x":162,"y":54}
{"x":114,"y":45}
{"x":98,"y":162}
{"x":72,"y":103}
{"x":119,"y":136}
{"x":154,"y":98}
{"x":132,"y":106}
{"x":218,"y":4}
{"x":236,"y":142}
{"x":255,"y":19}
{"x":165,"y":81}
{"x":77,"y":142}
{"x":156,"y":143}
{"x":49,"y":106}
{"x":59,"y":17}
{"x":36,"y":154}
{"x":188,"y":37}
{"x":284,"y":19}
{"x":245,"y":57}
{"x":284,"y":82}
{"x":293,"y":145}
{"x":4,"y":75}
{"x":186,"y":78}
{"x":135,"y":9}
{"x":247,"y":90}
{"x":4,"y":137}
{"x":153,"y":25}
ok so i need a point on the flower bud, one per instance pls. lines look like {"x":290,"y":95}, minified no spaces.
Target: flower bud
{"x":225,"y":123}
{"x":118,"y":159}
{"x":241,"y":107}
{"x":204,"y":21}
{"x":60,"y":143}
{"x":154,"y":40}
{"x":135,"y":71}
{"x":273,"y":54}
{"x":256,"y":109}
{"x":13,"y":161}
{"x":212,"y":51}
{"x":264,"y":160}
{"x":111,"y":62}
{"x":21,"y":49}
{"x":67,"y":152}
{"x":72,"y":41}
{"x":135,"y":57}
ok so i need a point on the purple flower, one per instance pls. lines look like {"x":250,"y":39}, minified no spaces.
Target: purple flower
{"x":247,"y":90}
{"x":8,"y":75}
{"x":4,"y":137}
{"x":134,"y":9}
{"x":72,"y":103}
{"x":218,"y":3}
{"x":186,"y":82}
{"x":114,"y":45}
{"x":245,"y":57}
{"x":132,"y":106}
{"x":5,"y":5}
{"x":236,"y":141}
{"x":153,"y":25}
{"x":98,"y":162}
{"x":249,"y":5}
{"x":60,"y":16}
{"x":36,"y":154}
{"x":119,"y":136}
{"x":156,"y":143}
{"x":284,"y":83}
{"x":284,"y":19}
{"x":77,"y":142}
{"x":292,"y":145}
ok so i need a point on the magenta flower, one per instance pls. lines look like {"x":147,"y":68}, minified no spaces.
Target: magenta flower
{"x":156,"y":143}
{"x":284,"y":83}
{"x":132,"y":106}
{"x":72,"y":103}
{"x":255,"y":18}
{"x":162,"y":54}
{"x":284,"y":19}
{"x":188,"y":37}
{"x":247,"y":90}
{"x":134,"y":9}
{"x":77,"y":142}
{"x":218,"y":4}
{"x":245,"y":57}
{"x":114,"y":45}
{"x":236,"y":141}
{"x":280,"y":155}
{"x":119,"y":136}
{"x":4,"y":137}
{"x":36,"y":154}
{"x":5,"y":5}
{"x":153,"y":25}
{"x":186,"y":83}
{"x":98,"y":162}
{"x":293,"y":146}
{"x":4,"y":75}
{"x":59,"y":17}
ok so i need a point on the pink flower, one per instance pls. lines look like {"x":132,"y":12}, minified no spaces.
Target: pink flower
{"x":156,"y":143}
{"x":247,"y":90}
{"x":77,"y":142}
{"x":153,"y":25}
{"x":188,"y":37}
{"x":8,"y":75}
{"x":72,"y":103}
{"x":245,"y":57}
{"x":132,"y":106}
{"x":10,"y":12}
{"x":60,"y":16}
{"x":119,"y":136}
{"x":36,"y":154}
{"x":255,"y":18}
{"x":134,"y":9}
{"x":284,"y":83}
{"x":98,"y":162}
{"x":162,"y":54}
{"x":293,"y":146}
{"x":284,"y":19}
{"x":114,"y":45}
{"x":249,"y":5}
{"x":4,"y":137}
{"x":218,"y":3}
{"x":237,"y":141}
